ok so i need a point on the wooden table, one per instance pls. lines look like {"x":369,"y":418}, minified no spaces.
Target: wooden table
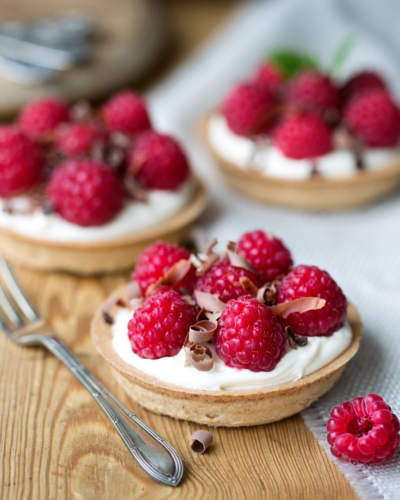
{"x":56,"y":443}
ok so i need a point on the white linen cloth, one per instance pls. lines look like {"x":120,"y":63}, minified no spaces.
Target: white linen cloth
{"x":360,"y":248}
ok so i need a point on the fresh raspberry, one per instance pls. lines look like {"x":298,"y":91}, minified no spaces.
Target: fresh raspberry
{"x":248,"y":108}
{"x":21,"y":161}
{"x":249,"y":335}
{"x":303,"y":136}
{"x":159,"y":328}
{"x":361,"y":82}
{"x":77,"y":139}
{"x":364,"y":431}
{"x":222,"y":280}
{"x":158,"y":161}
{"x":314,"y":92}
{"x":374,"y":118}
{"x":126,"y":112}
{"x":86,"y":193}
{"x":156,"y":260}
{"x":267,"y":254}
{"x":41,"y":117}
{"x":310,"y":281}
{"x":270,"y":76}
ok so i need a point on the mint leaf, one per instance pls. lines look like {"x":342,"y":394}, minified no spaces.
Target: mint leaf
{"x":342,"y":54}
{"x":290,"y":62}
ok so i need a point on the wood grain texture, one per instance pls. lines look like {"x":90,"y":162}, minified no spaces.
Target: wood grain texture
{"x":56,"y":443}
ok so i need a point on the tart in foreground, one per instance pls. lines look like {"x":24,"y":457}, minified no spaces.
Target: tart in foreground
{"x":86,"y":190}
{"x":180,"y":355}
{"x":294,"y":136}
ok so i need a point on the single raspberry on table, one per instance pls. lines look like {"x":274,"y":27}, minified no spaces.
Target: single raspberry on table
{"x":361,"y":82}
{"x":248,"y":108}
{"x":156,"y":260}
{"x":158,"y":161}
{"x":303,"y":137}
{"x":77,"y":139}
{"x":374,"y":118}
{"x":266,"y":253}
{"x":364,"y":431}
{"x":41,"y":117}
{"x":223,"y":280}
{"x":159,"y":328}
{"x":310,"y":281}
{"x":21,"y":161}
{"x":271,"y":76}
{"x":249,"y":335}
{"x":126,"y":112}
{"x":314,"y":92}
{"x":86,"y":193}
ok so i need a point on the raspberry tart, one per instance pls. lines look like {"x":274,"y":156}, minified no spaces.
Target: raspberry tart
{"x":227,"y":339}
{"x":86,"y":190}
{"x":295,"y":136}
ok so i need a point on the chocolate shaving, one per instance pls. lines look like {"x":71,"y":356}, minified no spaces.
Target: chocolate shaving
{"x":248,"y":286}
{"x":107,"y":318}
{"x":295,"y":340}
{"x":189,"y":299}
{"x":202,"y":331}
{"x":135,"y":190}
{"x":196,"y":356}
{"x":174,"y":275}
{"x":268,"y":293}
{"x":211,"y":258}
{"x":237,"y":260}
{"x":298,"y":306}
{"x":201,"y":441}
{"x":133,"y":290}
{"x":136,"y":303}
{"x":210,"y":303}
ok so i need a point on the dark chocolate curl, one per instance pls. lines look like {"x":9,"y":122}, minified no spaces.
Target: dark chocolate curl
{"x":211,"y":258}
{"x":267,"y":294}
{"x":201,"y":441}
{"x":295,"y":340}
{"x":202,"y":331}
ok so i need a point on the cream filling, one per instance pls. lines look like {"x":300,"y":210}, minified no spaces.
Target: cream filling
{"x":294,"y":365}
{"x":269,"y":161}
{"x":134,"y":217}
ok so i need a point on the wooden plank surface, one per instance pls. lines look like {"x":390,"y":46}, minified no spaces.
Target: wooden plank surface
{"x":55,"y":442}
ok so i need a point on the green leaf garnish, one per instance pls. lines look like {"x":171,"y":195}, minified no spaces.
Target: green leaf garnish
{"x":290,"y":62}
{"x":342,"y":54}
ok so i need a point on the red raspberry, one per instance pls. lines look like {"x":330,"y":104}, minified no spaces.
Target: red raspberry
{"x":302,"y":137}
{"x":78,"y":138}
{"x":374,"y":118}
{"x":364,"y":431}
{"x":249,"y":336}
{"x":267,"y":254}
{"x":270,"y":76}
{"x":41,"y":117}
{"x":159,"y":328}
{"x":310,"y":281}
{"x":158,"y":161}
{"x":156,"y":260}
{"x":314,"y":92}
{"x":21,"y":161}
{"x":126,"y":112}
{"x":86,"y":193}
{"x":248,"y":108}
{"x":361,"y":82}
{"x":222,"y":280}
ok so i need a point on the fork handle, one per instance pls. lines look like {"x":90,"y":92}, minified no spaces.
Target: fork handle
{"x":155,"y":455}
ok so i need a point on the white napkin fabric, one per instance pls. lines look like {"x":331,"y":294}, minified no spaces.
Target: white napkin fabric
{"x":359,"y":248}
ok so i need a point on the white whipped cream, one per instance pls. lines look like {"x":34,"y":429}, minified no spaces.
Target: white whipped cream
{"x":136,"y":216}
{"x":269,"y":161}
{"x":294,"y":365}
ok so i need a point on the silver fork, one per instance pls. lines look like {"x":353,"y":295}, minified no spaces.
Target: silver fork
{"x":23,"y":326}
